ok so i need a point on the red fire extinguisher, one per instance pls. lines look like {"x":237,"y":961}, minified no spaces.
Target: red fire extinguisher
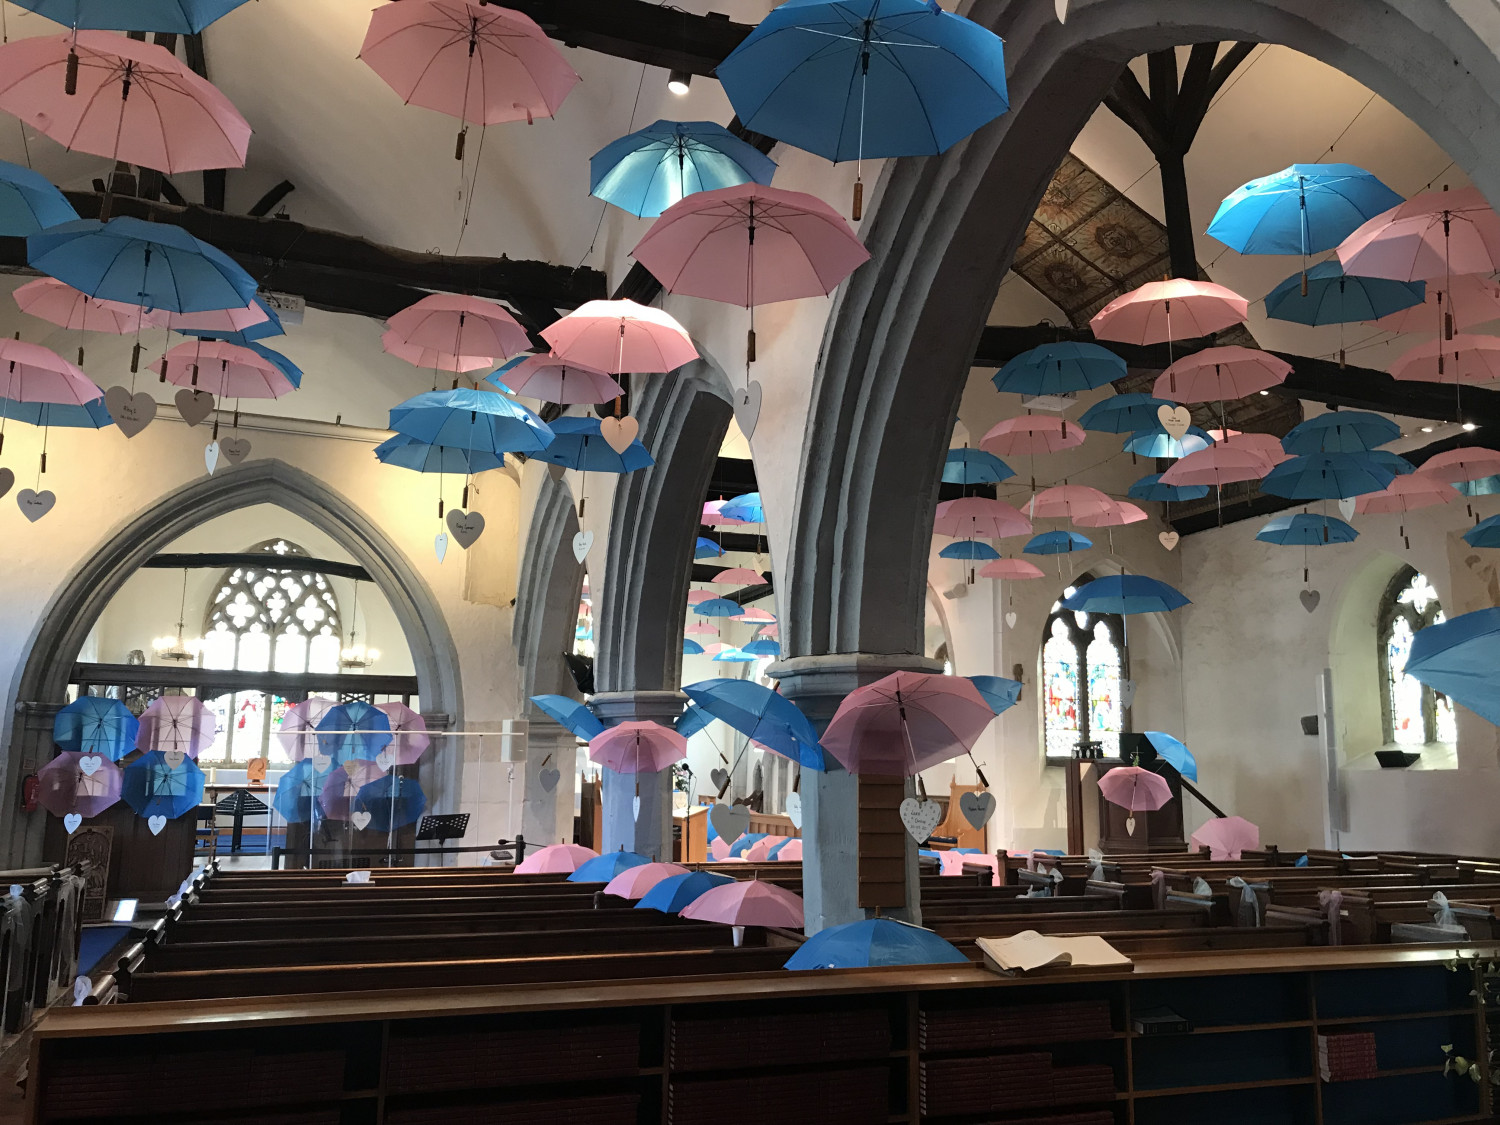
{"x":29,"y":788}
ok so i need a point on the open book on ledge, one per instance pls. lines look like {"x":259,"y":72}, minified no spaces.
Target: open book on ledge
{"x":1029,"y":951}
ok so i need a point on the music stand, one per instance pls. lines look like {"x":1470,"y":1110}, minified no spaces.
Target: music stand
{"x":443,"y":827}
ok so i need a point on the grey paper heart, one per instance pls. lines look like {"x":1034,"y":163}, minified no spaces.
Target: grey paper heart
{"x":440,"y":545}
{"x":1310,"y":599}
{"x":977,"y":807}
{"x":156,"y":824}
{"x":132,"y":412}
{"x":794,"y":809}
{"x":1010,"y":620}
{"x":1174,"y":419}
{"x":729,"y":821}
{"x":920,"y":817}
{"x":91,"y":764}
{"x":618,"y":433}
{"x":1347,"y":507}
{"x":7,"y":481}
{"x":1127,"y":693}
{"x":174,"y":758}
{"x":581,"y":544}
{"x":635,"y":808}
{"x":71,"y":822}
{"x":549,"y":778}
{"x":360,"y":820}
{"x":747,"y":408}
{"x":35,"y":505}
{"x":211,"y":456}
{"x":720,"y":778}
{"x":465,"y":527}
{"x":234,"y":449}
{"x":194,"y":406}
{"x":1169,"y":539}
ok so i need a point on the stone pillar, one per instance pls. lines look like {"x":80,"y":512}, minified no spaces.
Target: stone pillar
{"x":650,"y":831}
{"x":830,"y":799}
{"x":547,"y":814}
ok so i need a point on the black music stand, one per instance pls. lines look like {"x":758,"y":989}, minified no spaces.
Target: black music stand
{"x":443,"y":827}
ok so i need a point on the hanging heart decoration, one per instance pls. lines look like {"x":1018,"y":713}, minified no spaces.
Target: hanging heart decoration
{"x":747,"y":407}
{"x":1175,"y":420}
{"x":465,"y":527}
{"x":618,"y":433}
{"x":1169,"y":540}
{"x":794,"y":809}
{"x":977,"y":807}
{"x":156,"y":824}
{"x":440,"y":545}
{"x":235,"y":449}
{"x":1011,"y":619}
{"x":1309,"y":599}
{"x":194,"y":406}
{"x":132,"y":412}
{"x":920,"y":817}
{"x":7,"y":481}
{"x":729,"y":821}
{"x":174,"y":758}
{"x":549,"y":778}
{"x":211,"y":456}
{"x":360,"y":820}
{"x":90,"y":764}
{"x":35,"y":505}
{"x":581,"y":544}
{"x":71,"y":822}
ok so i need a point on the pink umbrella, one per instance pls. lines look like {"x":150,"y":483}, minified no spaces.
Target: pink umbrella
{"x":1135,"y":789}
{"x":459,"y":324}
{"x":1014,"y":570}
{"x":409,"y":738}
{"x":790,"y":852}
{"x":1458,"y":303}
{"x":135,"y":102}
{"x":1069,"y":501}
{"x":746,"y":902}
{"x":555,"y":859}
{"x":1267,"y":445}
{"x":702,"y":629}
{"x":1218,"y":464}
{"x":759,"y":852}
{"x":978,"y":517}
{"x":554,"y":380}
{"x":634,"y":882}
{"x":71,"y":784}
{"x":1119,"y":513}
{"x":216,"y":320}
{"x":1434,"y":235}
{"x":712,"y":517}
{"x":1458,"y":465}
{"x":1175,"y":309}
{"x":177,"y":722}
{"x":719,"y":849}
{"x":696,"y":596}
{"x":772,"y":631}
{"x":32,"y":373}
{"x":1032,"y":433}
{"x":637,"y":747}
{"x":906,"y":722}
{"x":297,"y":732}
{"x":716,"y":648}
{"x":619,"y":336}
{"x":1406,"y":494}
{"x":392,"y":343}
{"x":1215,"y":374}
{"x":755,"y":614}
{"x":1472,"y":360}
{"x":59,"y":303}
{"x":1226,"y":837}
{"x":738,"y":576}
{"x":223,"y":369}
{"x":344,"y":783}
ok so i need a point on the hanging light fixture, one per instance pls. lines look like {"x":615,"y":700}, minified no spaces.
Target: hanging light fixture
{"x":174,"y":647}
{"x":357,"y":657}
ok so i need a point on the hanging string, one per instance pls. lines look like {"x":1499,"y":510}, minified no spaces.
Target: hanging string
{"x":604,"y":207}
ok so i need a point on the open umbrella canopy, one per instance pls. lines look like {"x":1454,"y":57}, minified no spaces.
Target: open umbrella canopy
{"x":1226,"y":837}
{"x":437,"y":358}
{"x":746,"y":902}
{"x":731,"y":655}
{"x":555,"y":859}
{"x":637,"y":747}
{"x":978,"y":517}
{"x":256,"y":321}
{"x":620,"y":336}
{"x":299,"y":793}
{"x":1334,"y":297}
{"x":974,"y":466}
{"x":1434,"y":235}
{"x":718,"y":607}
{"x":1014,"y":570}
{"x":1135,"y":789}
{"x":458,"y":323}
{"x":298,"y":730}
{"x":94,"y":725}
{"x":1466,"y":358}
{"x":1031,"y":433}
{"x":1305,"y":529}
{"x":713,"y":515}
{"x":1485,"y":533}
{"x":1304,"y":209}
{"x":649,"y":170}
{"x":747,"y":508}
{"x":391,"y":800}
{"x":554,"y":380}
{"x":1465,"y":301}
{"x":760,"y":714}
{"x":1068,"y":501}
{"x":764,"y":646}
{"x":78,"y":783}
{"x":32,"y":373}
{"x":29,"y":202}
{"x":578,"y":444}
{"x":409,"y":453}
{"x":227,"y":370}
{"x":1460,"y":657}
{"x":1117,"y":514}
{"x":1219,"y":464}
{"x":969,"y":549}
{"x":706,"y":549}
{"x":737,"y":576}
{"x":633,"y":882}
{"x":1155,"y":442}
{"x":409,"y":737}
{"x":603,"y":868}
{"x":677,"y":891}
{"x":153,"y":786}
{"x":905,"y":722}
{"x":570,"y":713}
{"x":1328,"y":476}
{"x":1058,"y":368}
{"x":1407,"y":494}
{"x":1125,"y":594}
{"x":1173,"y":751}
{"x":1471,"y":463}
{"x":1057,"y":543}
{"x":1215,"y":374}
{"x":353,"y":730}
{"x":874,"y":942}
{"x":1151,"y":488}
{"x":1484,"y":486}
{"x":59,"y":303}
{"x":1175,"y":309}
{"x":341,"y":786}
{"x":468,"y":419}
{"x":691,"y":647}
{"x":1123,"y":414}
{"x":177,"y":723}
{"x":1001,"y":694}
{"x":182,"y":17}
{"x":692,"y":720}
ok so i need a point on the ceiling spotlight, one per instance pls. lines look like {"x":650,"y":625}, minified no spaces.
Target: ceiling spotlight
{"x":1265,"y":392}
{"x":678,"y":82}
{"x":1470,"y":426}
{"x":1427,"y":429}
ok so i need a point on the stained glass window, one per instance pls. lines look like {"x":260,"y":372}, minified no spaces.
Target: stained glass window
{"x":1060,"y":702}
{"x":1083,"y":677}
{"x":1414,"y":713}
{"x":1105,"y":683}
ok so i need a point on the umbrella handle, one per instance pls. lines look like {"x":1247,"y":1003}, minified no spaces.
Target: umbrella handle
{"x":70,"y":78}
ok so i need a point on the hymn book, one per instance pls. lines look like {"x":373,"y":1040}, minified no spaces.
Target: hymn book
{"x":1028,"y":951}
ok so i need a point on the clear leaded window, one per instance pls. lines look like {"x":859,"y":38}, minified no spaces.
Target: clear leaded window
{"x":1084,"y":669}
{"x":1414,"y":713}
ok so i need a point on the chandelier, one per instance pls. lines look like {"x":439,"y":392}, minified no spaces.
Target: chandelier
{"x":172,"y":646}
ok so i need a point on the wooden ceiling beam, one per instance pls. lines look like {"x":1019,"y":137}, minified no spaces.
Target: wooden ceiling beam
{"x":654,"y":34}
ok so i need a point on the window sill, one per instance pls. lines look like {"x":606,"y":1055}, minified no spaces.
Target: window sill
{"x":1434,"y":756}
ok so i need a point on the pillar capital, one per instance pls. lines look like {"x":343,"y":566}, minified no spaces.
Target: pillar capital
{"x":615,"y":707}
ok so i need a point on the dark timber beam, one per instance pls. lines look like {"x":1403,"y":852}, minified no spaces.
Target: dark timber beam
{"x":255,"y":560}
{"x":650,"y":33}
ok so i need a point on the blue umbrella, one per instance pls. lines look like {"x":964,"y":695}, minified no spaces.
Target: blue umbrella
{"x":692,"y":720}
{"x":734,"y":656}
{"x":1304,"y":209}
{"x":184,"y":17}
{"x":1151,"y":488}
{"x":691,"y":647}
{"x":1394,"y":462}
{"x":1486,"y":533}
{"x":1334,"y":297}
{"x":353,"y":730}
{"x":747,"y":508}
{"x":747,"y":841}
{"x":392,"y":801}
{"x":718,"y":607}
{"x":1460,"y":658}
{"x":603,"y":868}
{"x":1123,"y":414}
{"x":872,"y":942}
{"x":974,"y":466}
{"x":578,"y":444}
{"x":1057,"y":543}
{"x":29,"y":202}
{"x":1327,"y":476}
{"x":969,"y":549}
{"x":651,"y":169}
{"x":409,"y":453}
{"x":245,"y":337}
{"x":1001,"y":694}
{"x":299,"y":793}
{"x":577,"y":717}
{"x":1341,"y":431}
{"x":676,"y":891}
{"x":775,"y":852}
{"x":765,"y":646}
{"x":92,"y":415}
{"x":1125,"y":593}
{"x":158,"y":265}
{"x":471,"y":420}
{"x":1058,"y":368}
{"x":92,"y":724}
{"x":494,"y":377}
{"x":1306,"y":530}
{"x":1484,"y":486}
{"x":706,"y":549}
{"x":1176,"y":754}
{"x":1158,"y":443}
{"x":759,"y":713}
{"x":153,"y":788}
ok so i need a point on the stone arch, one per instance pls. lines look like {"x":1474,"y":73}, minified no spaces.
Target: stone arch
{"x":897,"y":348}
{"x":54,"y":644}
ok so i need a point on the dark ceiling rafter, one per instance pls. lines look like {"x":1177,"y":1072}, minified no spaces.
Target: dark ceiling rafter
{"x":255,"y":560}
{"x":654,"y":34}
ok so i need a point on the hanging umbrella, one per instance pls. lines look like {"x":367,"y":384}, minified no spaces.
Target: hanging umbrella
{"x":718,"y":607}
{"x":637,"y":747}
{"x":298,"y":798}
{"x":1217,"y":465}
{"x":1468,"y":359}
{"x":1123,"y":414}
{"x":1304,"y":209}
{"x":746,"y":902}
{"x":1059,"y":368}
{"x":1011,"y":569}
{"x":555,"y":859}
{"x":1306,"y":530}
{"x":1341,"y":431}
{"x":1215,"y":374}
{"x":32,"y":373}
{"x":94,"y":725}
{"x":737,"y":576}
{"x":180,"y":17}
{"x":731,"y":655}
{"x":905,"y":722}
{"x":1125,"y":594}
{"x":392,"y":344}
{"x":29,"y":203}
{"x":877,"y":79}
{"x":1152,"y":488}
{"x":152,"y":786}
{"x":468,"y":419}
{"x":1157,"y":443}
{"x":706,"y":549}
{"x":692,"y":720}
{"x":134,"y":102}
{"x":1001,"y":694}
{"x":1485,"y":533}
{"x":256,"y":321}
{"x":1485,"y":486}
{"x":974,"y":466}
{"x":575,"y":716}
{"x":1406,"y":494}
{"x":353,"y":730}
{"x":1118,"y":514}
{"x":649,"y":170}
{"x":676,"y":891}
{"x":59,"y":303}
{"x":578,"y":444}
{"x":1135,"y":789}
{"x":978,"y":517}
{"x":755,"y":613}
{"x":298,"y":730}
{"x":1458,"y":657}
{"x":225,"y":370}
{"x":747,"y":508}
{"x":342,"y":784}
{"x":409,"y":453}
{"x":1172,"y":751}
{"x":1031,"y":433}
{"x":158,"y":265}
{"x":1175,"y":309}
{"x":764,"y":646}
{"x":603,"y":868}
{"x":874,"y":942}
{"x":1068,"y":501}
{"x":1452,"y":303}
{"x":703,"y":628}
{"x":460,"y":324}
{"x":177,"y":723}
{"x":1057,"y":543}
{"x":760,"y":714}
{"x":409,"y":738}
{"x":1434,"y":235}
{"x":634,"y":881}
{"x":691,"y":647}
{"x":1334,"y":297}
{"x":392,"y":801}
{"x":713,"y":515}
{"x":554,"y":380}
{"x":1471,"y":463}
{"x":1268,"y":446}
{"x":788,"y":851}
{"x":1227,"y":837}
{"x":620,"y":336}
{"x":1327,"y":476}
{"x":65,"y":787}
{"x":969,"y":549}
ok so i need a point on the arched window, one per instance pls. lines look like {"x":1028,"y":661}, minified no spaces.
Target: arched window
{"x":1414,"y":714}
{"x":1084,"y":669}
